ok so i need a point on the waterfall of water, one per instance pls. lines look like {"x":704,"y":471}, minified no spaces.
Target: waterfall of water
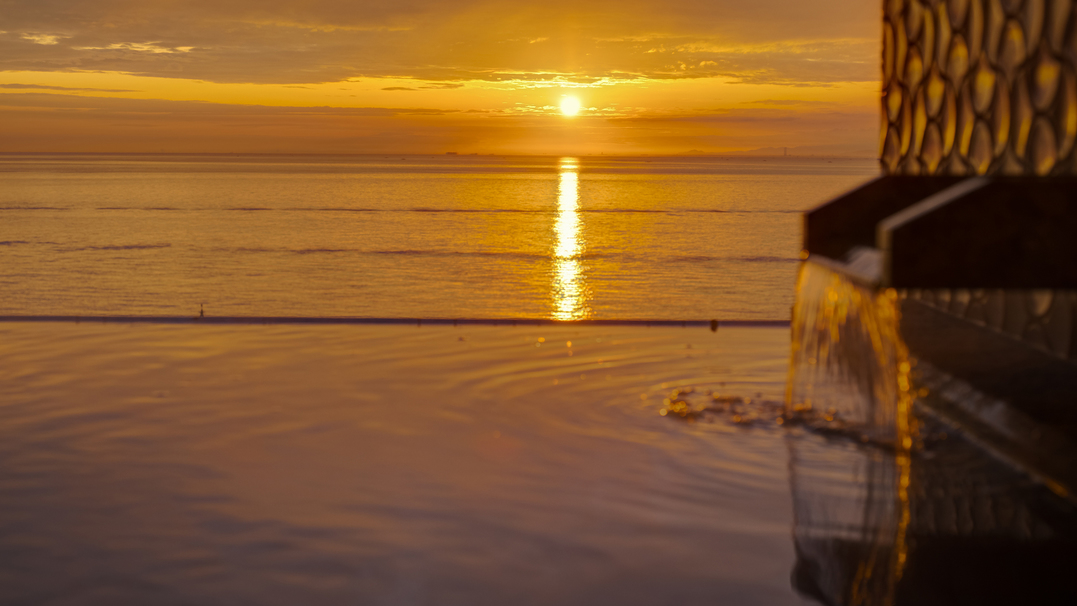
{"x":849,"y":377}
{"x":849,"y":361}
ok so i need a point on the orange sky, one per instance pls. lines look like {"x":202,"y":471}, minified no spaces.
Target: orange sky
{"x":430,"y":76}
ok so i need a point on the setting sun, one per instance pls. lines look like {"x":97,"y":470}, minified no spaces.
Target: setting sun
{"x":430,"y":76}
{"x":570,"y":106}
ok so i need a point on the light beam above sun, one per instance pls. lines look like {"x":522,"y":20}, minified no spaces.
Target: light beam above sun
{"x":570,"y":106}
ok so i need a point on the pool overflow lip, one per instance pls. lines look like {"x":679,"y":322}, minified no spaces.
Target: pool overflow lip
{"x":1008,"y":236}
{"x":1008,"y":232}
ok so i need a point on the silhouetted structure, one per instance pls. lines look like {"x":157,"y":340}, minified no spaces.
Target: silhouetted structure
{"x":943,"y":296}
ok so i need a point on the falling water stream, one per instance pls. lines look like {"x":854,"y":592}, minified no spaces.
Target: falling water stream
{"x":849,"y":376}
{"x":892,"y":505}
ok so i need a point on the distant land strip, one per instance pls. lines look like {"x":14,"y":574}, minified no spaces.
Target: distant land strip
{"x":713,"y":324}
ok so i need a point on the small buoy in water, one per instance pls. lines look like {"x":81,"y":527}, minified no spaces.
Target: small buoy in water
{"x":714,"y":325}
{"x":201,"y":310}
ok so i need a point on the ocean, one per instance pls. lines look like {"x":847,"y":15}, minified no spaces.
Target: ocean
{"x":477,"y":237}
{"x":530,"y":462}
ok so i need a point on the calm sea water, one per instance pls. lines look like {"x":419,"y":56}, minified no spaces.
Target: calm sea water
{"x":287,"y":465}
{"x":412,"y":236}
{"x":409,"y":464}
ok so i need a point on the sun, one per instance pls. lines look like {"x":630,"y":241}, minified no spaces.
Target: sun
{"x":570,"y":106}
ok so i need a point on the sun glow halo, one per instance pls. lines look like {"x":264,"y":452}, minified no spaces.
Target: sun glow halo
{"x":570,"y":106}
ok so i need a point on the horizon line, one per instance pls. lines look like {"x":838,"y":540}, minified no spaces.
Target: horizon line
{"x":747,"y":154}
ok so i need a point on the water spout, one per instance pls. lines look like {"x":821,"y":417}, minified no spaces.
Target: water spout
{"x":849,"y":372}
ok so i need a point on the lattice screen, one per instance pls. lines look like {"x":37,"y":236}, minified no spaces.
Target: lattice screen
{"x":979,"y":86}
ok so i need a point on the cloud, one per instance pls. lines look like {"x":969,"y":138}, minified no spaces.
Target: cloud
{"x":792,"y":102}
{"x":142,"y":47}
{"x":167,"y":109}
{"x":443,"y":86}
{"x":429,"y":86}
{"x":288,"y":42}
{"x":43,"y":39}
{"x":65,"y":88}
{"x":64,"y":122}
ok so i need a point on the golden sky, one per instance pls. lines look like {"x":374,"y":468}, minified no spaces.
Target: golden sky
{"x":431,"y":76}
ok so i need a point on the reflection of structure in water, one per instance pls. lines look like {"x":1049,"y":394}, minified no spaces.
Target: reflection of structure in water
{"x":973,"y":531}
{"x":903,"y":509}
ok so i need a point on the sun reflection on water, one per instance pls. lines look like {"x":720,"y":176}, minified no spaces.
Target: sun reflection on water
{"x":569,"y":290}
